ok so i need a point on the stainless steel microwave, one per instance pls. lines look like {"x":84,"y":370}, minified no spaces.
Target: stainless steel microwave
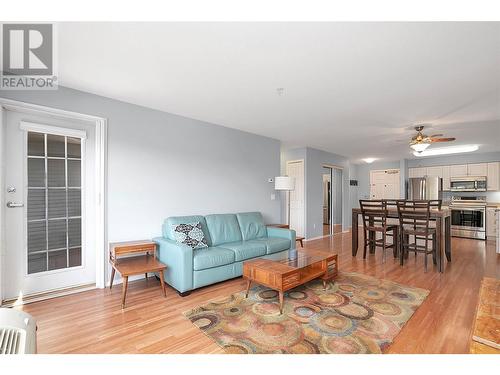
{"x":469,"y":183}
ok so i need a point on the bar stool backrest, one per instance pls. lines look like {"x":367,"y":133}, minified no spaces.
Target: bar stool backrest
{"x":436,"y":203}
{"x":374,"y":214}
{"x":415,"y":214}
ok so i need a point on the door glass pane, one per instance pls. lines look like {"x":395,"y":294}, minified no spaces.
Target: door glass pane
{"x":74,"y":173}
{"x":57,"y":203}
{"x":74,"y":202}
{"x":36,"y":204}
{"x":36,"y":172}
{"x":57,"y":259}
{"x":36,"y":144}
{"x":57,"y":234}
{"x":75,"y":232}
{"x":75,"y":257}
{"x":37,"y":262}
{"x":55,"y":146}
{"x":56,"y":175}
{"x":37,"y":236}
{"x":74,"y":147}
{"x":54,"y":240}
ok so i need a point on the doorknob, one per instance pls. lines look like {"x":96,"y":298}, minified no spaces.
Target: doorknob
{"x":14,"y":204}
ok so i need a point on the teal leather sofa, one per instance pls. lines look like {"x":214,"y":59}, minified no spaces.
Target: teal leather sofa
{"x":232,"y":239}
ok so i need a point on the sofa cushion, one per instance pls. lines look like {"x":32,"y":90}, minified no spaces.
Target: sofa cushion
{"x":168,"y":230}
{"x":190,"y":234}
{"x":223,"y":228}
{"x":274,"y":244}
{"x":246,"y":249}
{"x":252,"y":225}
{"x":211,"y":257}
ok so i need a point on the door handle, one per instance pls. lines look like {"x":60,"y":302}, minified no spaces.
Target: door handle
{"x":14,"y":204}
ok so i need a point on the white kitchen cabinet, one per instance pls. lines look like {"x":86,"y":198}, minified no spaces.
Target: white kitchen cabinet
{"x":417,"y":172}
{"x":459,"y":170}
{"x":491,"y":222}
{"x":480,"y":169}
{"x":446,"y":177}
{"x":493,"y":176}
{"x":435,"y":171}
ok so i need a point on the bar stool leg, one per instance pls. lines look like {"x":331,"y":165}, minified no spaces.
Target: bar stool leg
{"x":364,"y":244}
{"x":384,"y":245}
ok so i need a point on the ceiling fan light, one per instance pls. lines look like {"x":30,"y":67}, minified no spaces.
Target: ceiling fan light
{"x":419,"y":147}
{"x":448,"y":150}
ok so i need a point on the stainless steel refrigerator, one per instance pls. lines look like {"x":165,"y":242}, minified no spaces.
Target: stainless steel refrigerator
{"x":420,"y":188}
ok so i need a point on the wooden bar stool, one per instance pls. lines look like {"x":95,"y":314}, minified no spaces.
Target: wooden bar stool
{"x":414,"y":220}
{"x":374,"y":213}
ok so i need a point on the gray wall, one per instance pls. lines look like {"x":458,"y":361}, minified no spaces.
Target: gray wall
{"x":162,"y":165}
{"x":314,"y":161}
{"x":314,"y":216}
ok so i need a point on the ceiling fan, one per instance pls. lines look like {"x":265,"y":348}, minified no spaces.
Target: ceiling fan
{"x":420,"y":141}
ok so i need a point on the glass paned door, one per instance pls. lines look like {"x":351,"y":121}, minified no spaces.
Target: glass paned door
{"x":54,"y":205}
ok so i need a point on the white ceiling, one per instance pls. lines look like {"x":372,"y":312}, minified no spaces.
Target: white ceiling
{"x":349,"y":88}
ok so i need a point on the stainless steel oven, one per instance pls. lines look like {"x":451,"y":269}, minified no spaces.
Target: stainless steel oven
{"x":477,"y":183}
{"x":468,"y":217}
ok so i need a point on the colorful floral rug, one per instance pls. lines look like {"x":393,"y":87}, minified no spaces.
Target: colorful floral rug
{"x":355,"y":314}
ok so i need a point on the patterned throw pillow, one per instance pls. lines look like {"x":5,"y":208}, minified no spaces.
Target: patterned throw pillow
{"x":190,"y":234}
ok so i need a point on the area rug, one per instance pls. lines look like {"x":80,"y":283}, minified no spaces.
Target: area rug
{"x":355,"y":314}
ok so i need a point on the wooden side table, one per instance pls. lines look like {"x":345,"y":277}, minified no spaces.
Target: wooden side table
{"x":298,"y":239}
{"x":134,"y":265}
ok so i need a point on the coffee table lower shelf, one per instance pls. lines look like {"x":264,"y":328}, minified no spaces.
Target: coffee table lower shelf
{"x":283,"y":275}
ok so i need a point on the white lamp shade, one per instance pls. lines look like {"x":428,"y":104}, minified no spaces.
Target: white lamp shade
{"x":419,"y":147}
{"x":284,"y":183}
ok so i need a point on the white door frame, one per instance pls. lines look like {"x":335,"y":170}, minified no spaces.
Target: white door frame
{"x":305,"y":191}
{"x":100,"y":220}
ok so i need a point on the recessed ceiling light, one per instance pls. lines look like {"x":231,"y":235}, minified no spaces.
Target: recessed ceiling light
{"x":447,"y":150}
{"x":369,"y":160}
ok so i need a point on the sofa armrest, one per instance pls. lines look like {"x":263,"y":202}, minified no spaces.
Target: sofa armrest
{"x":289,"y":234}
{"x":179,"y":260}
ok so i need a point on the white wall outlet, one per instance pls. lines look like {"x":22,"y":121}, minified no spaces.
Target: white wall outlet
{"x":273,"y":197}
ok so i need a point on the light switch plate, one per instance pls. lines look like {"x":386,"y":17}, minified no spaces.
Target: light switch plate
{"x":273,"y":197}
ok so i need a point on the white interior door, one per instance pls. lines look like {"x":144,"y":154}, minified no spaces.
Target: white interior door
{"x":392,"y":186}
{"x":297,"y":196}
{"x":377,"y":182}
{"x":49,"y":244}
{"x":385,"y":184}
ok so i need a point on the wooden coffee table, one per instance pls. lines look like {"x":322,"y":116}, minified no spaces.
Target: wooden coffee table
{"x":283,"y":275}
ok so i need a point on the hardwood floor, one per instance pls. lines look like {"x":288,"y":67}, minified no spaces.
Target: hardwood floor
{"x":337,"y":228}
{"x":93,"y":321}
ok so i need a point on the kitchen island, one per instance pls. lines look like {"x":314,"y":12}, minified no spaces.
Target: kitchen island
{"x":442,"y":217}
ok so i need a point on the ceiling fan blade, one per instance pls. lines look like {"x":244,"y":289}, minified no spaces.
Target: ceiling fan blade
{"x":434,"y":140}
{"x":436,"y":135}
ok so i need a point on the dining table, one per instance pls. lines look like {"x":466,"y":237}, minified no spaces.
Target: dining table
{"x":441,"y":216}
